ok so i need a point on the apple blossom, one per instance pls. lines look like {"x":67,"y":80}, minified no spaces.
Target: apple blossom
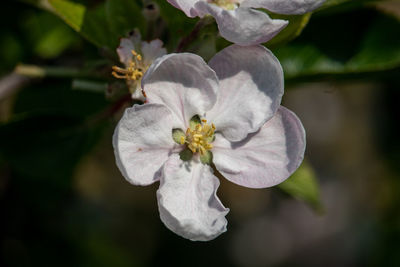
{"x":198,"y":119}
{"x":239,"y":21}
{"x":137,"y":56}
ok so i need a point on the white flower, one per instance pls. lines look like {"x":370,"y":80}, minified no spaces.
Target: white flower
{"x":238,"y":20}
{"x":137,"y":56}
{"x":244,"y":132}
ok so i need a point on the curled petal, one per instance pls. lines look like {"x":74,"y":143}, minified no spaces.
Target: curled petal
{"x":243,"y":26}
{"x":143,"y":142}
{"x":188,"y":202}
{"x":186,"y":6}
{"x":182,"y":82}
{"x":265,"y":158}
{"x":288,"y":7}
{"x":251,"y":88}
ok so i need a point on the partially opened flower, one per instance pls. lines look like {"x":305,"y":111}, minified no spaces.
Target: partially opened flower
{"x":137,"y":56}
{"x":238,"y":20}
{"x":225,"y":115}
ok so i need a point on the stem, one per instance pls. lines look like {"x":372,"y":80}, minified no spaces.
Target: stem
{"x":184,"y":43}
{"x":11,"y":83}
{"x":35,"y":71}
{"x":92,"y":86}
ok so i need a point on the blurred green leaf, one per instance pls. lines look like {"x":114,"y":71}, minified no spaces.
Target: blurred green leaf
{"x":90,"y":23}
{"x":177,"y":24}
{"x":294,"y":28}
{"x":50,"y":36}
{"x":368,"y":44}
{"x":123,"y":16}
{"x":303,"y":185}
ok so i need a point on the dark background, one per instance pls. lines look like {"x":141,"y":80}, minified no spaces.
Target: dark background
{"x":63,"y":202}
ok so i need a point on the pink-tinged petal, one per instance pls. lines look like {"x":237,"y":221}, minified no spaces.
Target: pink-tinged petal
{"x":152,"y":50}
{"x":251,"y":88}
{"x":143,"y":142}
{"x":124,"y":51}
{"x":127,"y":45}
{"x":186,"y":6}
{"x":243,"y":26}
{"x":294,"y":7}
{"x":187,"y":200}
{"x":265,"y":158}
{"x":182,"y":82}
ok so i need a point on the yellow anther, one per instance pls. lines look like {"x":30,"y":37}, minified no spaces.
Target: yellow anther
{"x":199,"y":138}
{"x":133,"y":72}
{"x":182,"y":141}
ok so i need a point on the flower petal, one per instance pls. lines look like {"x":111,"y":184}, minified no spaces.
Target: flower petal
{"x":143,"y":142}
{"x":152,"y":50}
{"x":127,"y":45}
{"x":186,"y":6}
{"x":182,"y":82}
{"x":188,"y":202}
{"x":251,"y":88}
{"x":288,"y":7}
{"x":265,"y":158}
{"x":243,"y":26}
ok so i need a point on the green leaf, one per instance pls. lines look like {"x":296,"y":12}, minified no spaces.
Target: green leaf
{"x":294,"y":28}
{"x":90,"y":23}
{"x":123,"y":16}
{"x":303,"y":185}
{"x":175,"y":23}
{"x":369,"y":43}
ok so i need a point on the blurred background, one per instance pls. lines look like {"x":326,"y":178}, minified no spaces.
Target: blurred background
{"x":63,"y":202}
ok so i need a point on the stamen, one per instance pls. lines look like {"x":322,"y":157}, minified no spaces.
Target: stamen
{"x":132,"y":73}
{"x":199,"y":138}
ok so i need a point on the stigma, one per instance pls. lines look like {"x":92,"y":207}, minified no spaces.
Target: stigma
{"x":199,"y":137}
{"x":133,"y":72}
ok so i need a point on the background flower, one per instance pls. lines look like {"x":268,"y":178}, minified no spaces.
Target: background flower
{"x":137,"y":56}
{"x":239,"y":21}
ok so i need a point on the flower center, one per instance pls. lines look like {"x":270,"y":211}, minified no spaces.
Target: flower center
{"x":133,"y":72}
{"x":226,"y":4}
{"x":199,"y":137}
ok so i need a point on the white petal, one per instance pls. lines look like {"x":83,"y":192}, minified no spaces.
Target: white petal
{"x":127,"y":45}
{"x":188,"y":202}
{"x":265,"y":158}
{"x":251,"y":88}
{"x":182,"y":82}
{"x":152,"y":50}
{"x":288,"y":7}
{"x":243,"y":26}
{"x":143,"y":142}
{"x":186,"y":6}
{"x":136,"y":88}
